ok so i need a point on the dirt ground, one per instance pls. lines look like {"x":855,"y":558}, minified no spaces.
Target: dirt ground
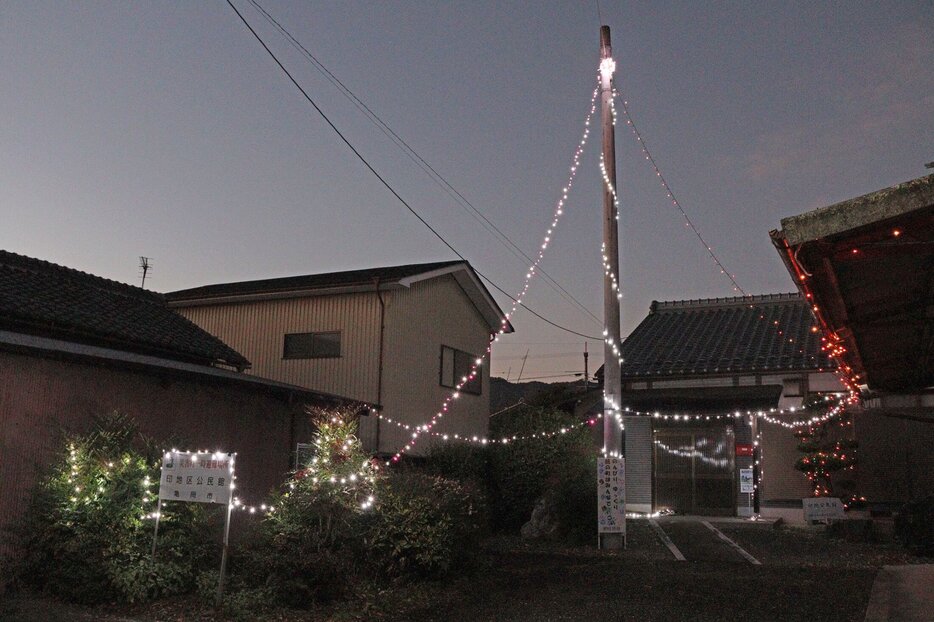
{"x":805,"y":575}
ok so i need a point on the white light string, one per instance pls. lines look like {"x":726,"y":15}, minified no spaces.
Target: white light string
{"x":849,"y":381}
{"x":504,"y":440}
{"x":559,"y":210}
{"x":693,"y":452}
{"x":671,"y":195}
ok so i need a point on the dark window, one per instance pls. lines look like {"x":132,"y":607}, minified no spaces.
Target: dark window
{"x":455,"y":366}
{"x":312,"y":346}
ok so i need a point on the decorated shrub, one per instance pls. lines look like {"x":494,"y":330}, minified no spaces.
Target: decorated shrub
{"x":313,"y":543}
{"x":90,"y":534}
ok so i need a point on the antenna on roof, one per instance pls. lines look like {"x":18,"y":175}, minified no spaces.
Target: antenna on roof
{"x":144,"y":266}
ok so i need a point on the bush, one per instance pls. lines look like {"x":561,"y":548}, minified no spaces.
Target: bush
{"x":310,"y":547}
{"x":521,"y":472}
{"x":425,"y":526}
{"x":88,"y":537}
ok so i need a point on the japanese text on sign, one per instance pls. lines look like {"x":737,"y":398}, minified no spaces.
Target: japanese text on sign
{"x":821,"y":508}
{"x":611,"y":484}
{"x":746,"y":485}
{"x":196,"y":477}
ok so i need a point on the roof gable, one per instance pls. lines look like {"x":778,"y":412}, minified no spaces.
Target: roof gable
{"x":749,"y":334}
{"x":39,"y":297}
{"x":346,"y":282}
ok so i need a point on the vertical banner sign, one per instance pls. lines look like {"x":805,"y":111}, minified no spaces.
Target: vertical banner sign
{"x":196,"y":477}
{"x":746,"y":484}
{"x":611,"y":484}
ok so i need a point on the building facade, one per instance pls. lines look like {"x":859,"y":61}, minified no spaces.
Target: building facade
{"x":74,"y":346}
{"x":867,"y":266}
{"x":401,"y":337}
{"x":695,"y":373}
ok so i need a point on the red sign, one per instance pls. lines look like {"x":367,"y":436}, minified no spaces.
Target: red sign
{"x":743,"y":450}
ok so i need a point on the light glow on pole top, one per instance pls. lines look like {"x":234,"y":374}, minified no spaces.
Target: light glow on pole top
{"x":607,"y":68}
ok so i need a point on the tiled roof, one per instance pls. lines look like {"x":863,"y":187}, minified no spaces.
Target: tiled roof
{"x":47,"y":299}
{"x":349,"y":278}
{"x":747,"y":334}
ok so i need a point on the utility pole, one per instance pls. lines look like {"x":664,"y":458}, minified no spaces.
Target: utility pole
{"x":521,"y":369}
{"x":614,"y":538}
{"x":586,"y":371}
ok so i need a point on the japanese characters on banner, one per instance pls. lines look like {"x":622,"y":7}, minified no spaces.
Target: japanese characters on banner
{"x":611,"y":484}
{"x":198,"y":477}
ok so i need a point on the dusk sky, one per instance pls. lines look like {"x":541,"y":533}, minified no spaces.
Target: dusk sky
{"x":164,"y":129}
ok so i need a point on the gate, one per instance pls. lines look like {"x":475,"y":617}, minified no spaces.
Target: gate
{"x":694,"y":470}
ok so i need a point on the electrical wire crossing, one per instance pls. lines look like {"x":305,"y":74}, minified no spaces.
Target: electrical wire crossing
{"x":419,"y":161}
{"x":370,"y":167}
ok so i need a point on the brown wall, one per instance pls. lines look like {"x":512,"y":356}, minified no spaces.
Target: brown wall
{"x":895,"y":457}
{"x":780,"y":481}
{"x":42,"y":399}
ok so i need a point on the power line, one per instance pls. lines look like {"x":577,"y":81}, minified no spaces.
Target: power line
{"x":544,"y":319}
{"x":374,"y":171}
{"x":414,"y":156}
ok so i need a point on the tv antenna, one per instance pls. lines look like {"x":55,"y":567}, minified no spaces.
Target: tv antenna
{"x":145,"y":265}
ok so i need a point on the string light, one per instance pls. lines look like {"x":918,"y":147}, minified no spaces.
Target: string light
{"x":693,"y":452}
{"x":530,"y":274}
{"x":671,"y":195}
{"x":504,"y":440}
{"x":843,"y":371}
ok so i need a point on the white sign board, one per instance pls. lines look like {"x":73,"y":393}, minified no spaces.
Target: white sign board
{"x":199,"y":477}
{"x":611,"y":486}
{"x":822,"y":508}
{"x":745,"y":481}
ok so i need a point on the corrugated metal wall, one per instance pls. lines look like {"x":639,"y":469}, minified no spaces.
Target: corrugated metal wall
{"x":639,"y":463}
{"x":257,"y":330}
{"x":419,"y":320}
{"x":43,"y":399}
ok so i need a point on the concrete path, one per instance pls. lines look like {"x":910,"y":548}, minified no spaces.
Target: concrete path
{"x":698,"y":541}
{"x":902,"y":594}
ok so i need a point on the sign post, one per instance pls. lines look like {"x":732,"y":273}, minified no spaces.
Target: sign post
{"x":198,"y":477}
{"x":747,"y":486}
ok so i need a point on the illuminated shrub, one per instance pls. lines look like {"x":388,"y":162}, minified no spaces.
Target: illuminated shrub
{"x":89,"y":534}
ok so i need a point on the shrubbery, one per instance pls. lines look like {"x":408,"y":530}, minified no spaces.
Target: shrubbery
{"x":425,"y":526}
{"x":87,"y":538}
{"x":341,"y":520}
{"x":340,"y":523}
{"x":516,"y":475}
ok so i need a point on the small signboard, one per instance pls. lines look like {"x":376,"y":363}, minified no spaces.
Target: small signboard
{"x":611,"y":485}
{"x":744,"y":449}
{"x":196,"y":477}
{"x":746,"y":485}
{"x":822,"y":508}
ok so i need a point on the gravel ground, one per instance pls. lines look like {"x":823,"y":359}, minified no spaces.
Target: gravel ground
{"x":805,"y":576}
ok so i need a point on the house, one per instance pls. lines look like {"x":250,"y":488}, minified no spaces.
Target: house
{"x":401,"y":336}
{"x":866,"y":265}
{"x":695,"y":373}
{"x":74,"y":346}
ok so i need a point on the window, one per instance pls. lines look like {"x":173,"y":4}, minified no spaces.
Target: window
{"x":304,"y":452}
{"x":455,"y":365}
{"x":312,"y":346}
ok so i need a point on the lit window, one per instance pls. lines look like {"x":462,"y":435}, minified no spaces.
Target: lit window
{"x":312,"y":346}
{"x":455,"y":366}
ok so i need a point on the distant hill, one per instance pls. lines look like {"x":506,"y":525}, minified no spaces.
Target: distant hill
{"x":504,"y":393}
